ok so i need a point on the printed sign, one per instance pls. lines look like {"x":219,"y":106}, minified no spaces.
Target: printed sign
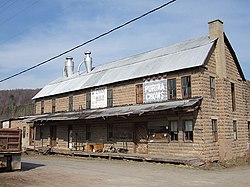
{"x":99,"y":97}
{"x":155,"y":91}
{"x":6,"y":124}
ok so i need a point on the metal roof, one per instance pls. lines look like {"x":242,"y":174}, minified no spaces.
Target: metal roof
{"x":188,"y":54}
{"x":117,"y":111}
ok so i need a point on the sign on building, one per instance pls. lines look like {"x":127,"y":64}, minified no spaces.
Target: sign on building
{"x":6,"y":124}
{"x":99,"y":97}
{"x":155,"y":91}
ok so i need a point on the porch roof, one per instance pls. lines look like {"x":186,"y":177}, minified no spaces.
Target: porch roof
{"x":184,"y":104}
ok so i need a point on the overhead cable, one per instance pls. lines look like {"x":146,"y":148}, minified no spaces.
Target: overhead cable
{"x":89,"y":41}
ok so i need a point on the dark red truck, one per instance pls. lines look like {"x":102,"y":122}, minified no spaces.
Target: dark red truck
{"x":10,"y":149}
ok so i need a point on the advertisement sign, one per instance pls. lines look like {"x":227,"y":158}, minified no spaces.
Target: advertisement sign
{"x":155,"y":91}
{"x":99,"y":97}
{"x":6,"y":124}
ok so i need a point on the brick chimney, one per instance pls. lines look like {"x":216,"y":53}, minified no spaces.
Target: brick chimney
{"x":216,"y":31}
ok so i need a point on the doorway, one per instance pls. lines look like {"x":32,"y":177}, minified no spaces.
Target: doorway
{"x":31,"y":138}
{"x":53,"y":136}
{"x":141,"y":138}
{"x":70,"y":137}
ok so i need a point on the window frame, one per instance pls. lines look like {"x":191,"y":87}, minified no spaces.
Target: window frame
{"x":109,"y":98}
{"x":88,"y":132}
{"x":233,"y":96}
{"x":212,"y":87}
{"x":71,"y":103}
{"x":171,"y":86}
{"x":186,"y":87}
{"x":53,"y":110}
{"x":139,"y":93}
{"x":248,"y":126}
{"x":42,"y":106}
{"x":235,"y":132}
{"x":110,"y":132}
{"x":214,"y":130}
{"x":24,"y":131}
{"x":173,"y":132}
{"x":88,"y":100}
{"x":188,"y":136}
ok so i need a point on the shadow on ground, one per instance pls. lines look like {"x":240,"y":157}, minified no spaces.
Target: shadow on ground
{"x":26,"y":166}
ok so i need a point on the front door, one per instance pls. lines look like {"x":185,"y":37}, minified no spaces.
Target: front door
{"x":70,"y":136}
{"x":141,"y":138}
{"x":31,"y":139}
{"x":52,"y":135}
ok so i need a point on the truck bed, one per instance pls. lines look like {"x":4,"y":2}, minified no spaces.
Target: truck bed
{"x":10,"y":140}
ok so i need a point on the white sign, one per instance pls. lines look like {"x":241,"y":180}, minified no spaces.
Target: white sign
{"x":6,"y":124}
{"x":155,"y":91}
{"x":99,"y":97}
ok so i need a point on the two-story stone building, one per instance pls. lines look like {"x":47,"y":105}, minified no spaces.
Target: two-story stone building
{"x":190,"y":99}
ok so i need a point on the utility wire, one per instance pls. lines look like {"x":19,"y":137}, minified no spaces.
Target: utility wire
{"x":4,"y":4}
{"x":19,"y":12}
{"x":89,"y":41}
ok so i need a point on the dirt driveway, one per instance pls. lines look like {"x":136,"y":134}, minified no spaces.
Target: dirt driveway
{"x":66,"y":171}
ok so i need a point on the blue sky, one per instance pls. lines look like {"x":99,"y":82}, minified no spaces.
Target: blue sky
{"x":32,"y":31}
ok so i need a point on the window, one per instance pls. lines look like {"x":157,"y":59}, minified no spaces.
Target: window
{"x":71,"y":103}
{"x":42,"y":106}
{"x":188,"y":130}
{"x":53,"y":105}
{"x":249,"y":131}
{"x":214,"y":130}
{"x":235,"y":129}
{"x":139,"y":94}
{"x":212,"y":87}
{"x":24,"y":132}
{"x":110,"y":98}
{"x":88,"y":100}
{"x":88,"y":132}
{"x":110,"y":131}
{"x":186,"y":87}
{"x":172,"y":89}
{"x":174,"y":130}
{"x":120,"y":132}
{"x":233,"y":96}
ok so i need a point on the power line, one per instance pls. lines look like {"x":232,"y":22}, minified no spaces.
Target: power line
{"x":19,"y":12}
{"x":5,"y":3}
{"x":89,"y":41}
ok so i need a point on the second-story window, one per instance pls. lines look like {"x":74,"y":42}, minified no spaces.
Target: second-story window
{"x":171,"y":88}
{"x":88,"y":100}
{"x":71,"y":103}
{"x":139,"y":94}
{"x":233,"y":96}
{"x":53,"y":105}
{"x":42,"y":106}
{"x":212,"y":87}
{"x":186,"y":86}
{"x":110,"y":98}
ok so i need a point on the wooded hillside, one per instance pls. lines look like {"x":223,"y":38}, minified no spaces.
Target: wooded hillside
{"x":14,"y":103}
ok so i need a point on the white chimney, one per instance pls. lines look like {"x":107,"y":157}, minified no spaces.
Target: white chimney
{"x":69,"y":67}
{"x":88,"y":61}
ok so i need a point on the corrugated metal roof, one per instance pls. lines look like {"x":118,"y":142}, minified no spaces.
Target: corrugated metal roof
{"x":191,"y":53}
{"x":118,"y":111}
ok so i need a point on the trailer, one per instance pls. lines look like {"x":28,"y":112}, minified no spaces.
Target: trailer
{"x":10,"y":149}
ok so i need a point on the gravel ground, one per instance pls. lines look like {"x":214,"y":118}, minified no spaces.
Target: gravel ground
{"x":67,"y":171}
